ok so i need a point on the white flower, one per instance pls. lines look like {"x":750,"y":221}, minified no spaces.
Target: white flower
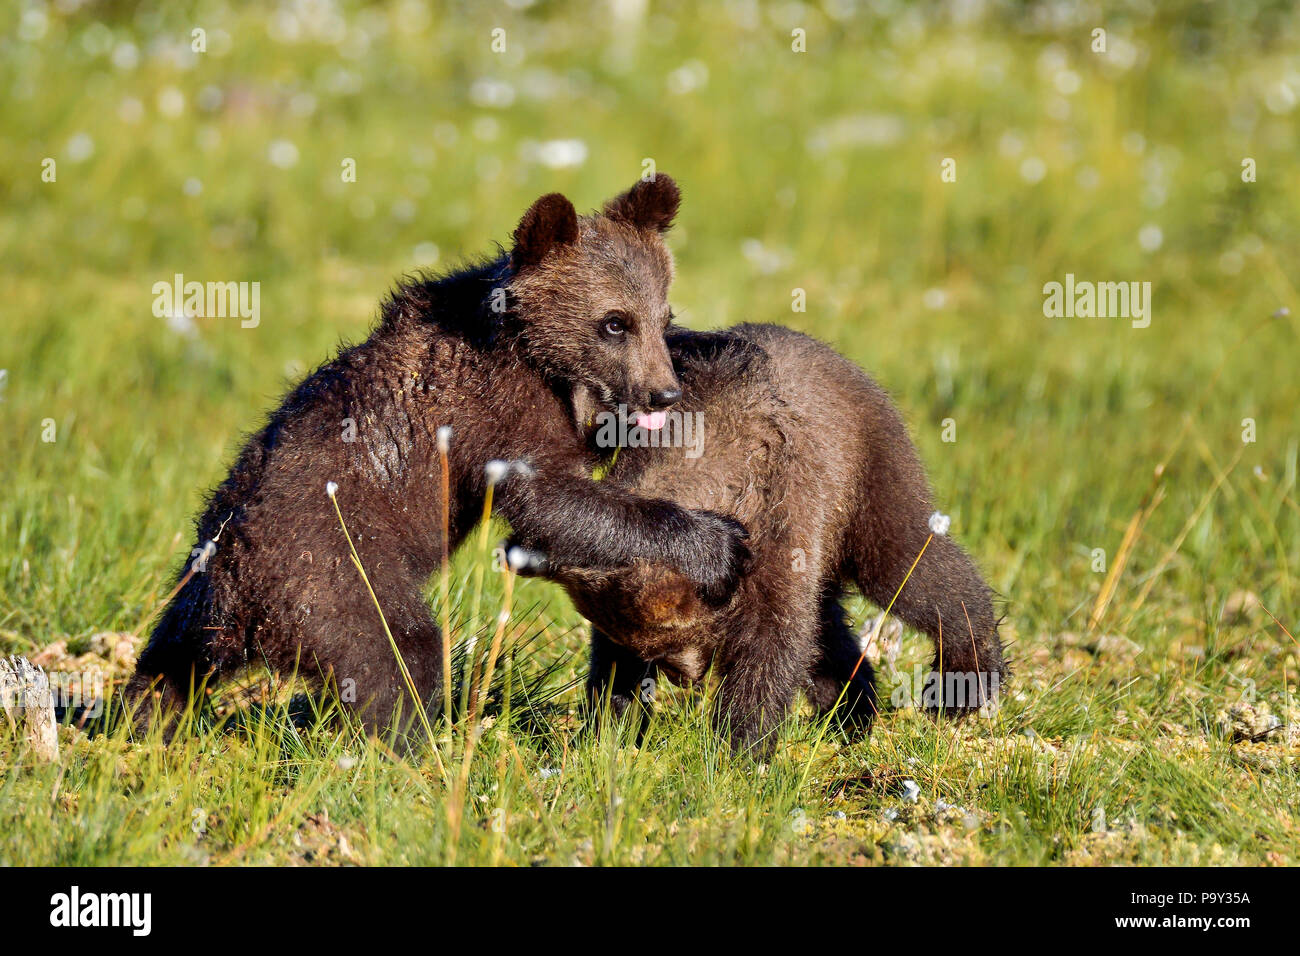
{"x":282,"y":153}
{"x":491,"y":93}
{"x":910,"y":791}
{"x":934,"y":299}
{"x":331,"y":487}
{"x":690,"y":76}
{"x":1151,"y":237}
{"x":80,"y":148}
{"x":182,"y":322}
{"x":1033,"y":169}
{"x":425,"y":254}
{"x":560,"y":153}
{"x":171,"y":102}
{"x":940,"y":523}
{"x":444,"y":438}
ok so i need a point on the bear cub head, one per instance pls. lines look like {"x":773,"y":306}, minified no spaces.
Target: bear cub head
{"x":591,"y":294}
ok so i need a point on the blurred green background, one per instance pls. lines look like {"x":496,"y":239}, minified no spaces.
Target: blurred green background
{"x":817,"y":170}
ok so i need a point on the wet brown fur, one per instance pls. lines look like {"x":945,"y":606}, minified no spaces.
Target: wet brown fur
{"x":811,"y":455}
{"x":509,"y":354}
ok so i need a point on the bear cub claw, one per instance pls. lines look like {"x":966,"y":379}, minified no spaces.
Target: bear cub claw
{"x":720,"y":557}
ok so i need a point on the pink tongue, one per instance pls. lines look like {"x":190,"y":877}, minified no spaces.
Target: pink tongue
{"x":653,"y":421}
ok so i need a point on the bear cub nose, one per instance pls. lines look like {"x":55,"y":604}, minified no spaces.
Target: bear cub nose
{"x":663,"y":397}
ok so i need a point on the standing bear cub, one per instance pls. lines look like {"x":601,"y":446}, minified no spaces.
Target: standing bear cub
{"x":810,"y":453}
{"x":508,"y":354}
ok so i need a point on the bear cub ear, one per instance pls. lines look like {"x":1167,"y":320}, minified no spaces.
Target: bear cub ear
{"x":551,"y":221}
{"x":650,"y":204}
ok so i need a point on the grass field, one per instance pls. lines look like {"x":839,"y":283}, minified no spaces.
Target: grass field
{"x":1131,"y":492}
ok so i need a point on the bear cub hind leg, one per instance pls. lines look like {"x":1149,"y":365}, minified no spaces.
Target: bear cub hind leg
{"x":842,"y":672}
{"x":620,"y":678}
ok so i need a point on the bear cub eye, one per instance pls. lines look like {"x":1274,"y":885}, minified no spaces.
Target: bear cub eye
{"x":613,"y":325}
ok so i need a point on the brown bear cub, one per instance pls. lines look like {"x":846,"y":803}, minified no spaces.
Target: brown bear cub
{"x":507,"y":354}
{"x":810,"y":454}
